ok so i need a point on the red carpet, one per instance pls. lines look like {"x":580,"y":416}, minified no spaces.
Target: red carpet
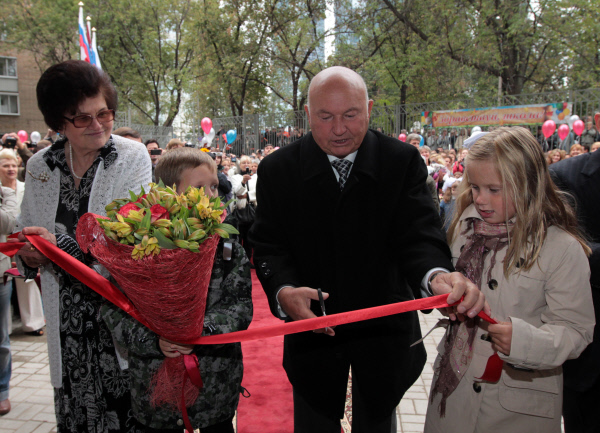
{"x":269,"y":409}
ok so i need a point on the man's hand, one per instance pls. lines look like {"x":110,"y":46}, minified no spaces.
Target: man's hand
{"x":458,"y":286}
{"x":296,"y":304}
{"x":173,"y":350}
{"x":501,"y":334}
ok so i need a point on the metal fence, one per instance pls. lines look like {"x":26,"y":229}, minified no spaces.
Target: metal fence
{"x":393,"y":119}
{"x":162,"y":134}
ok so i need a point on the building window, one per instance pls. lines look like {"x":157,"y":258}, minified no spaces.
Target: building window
{"x":9,"y":104}
{"x":8,"y":67}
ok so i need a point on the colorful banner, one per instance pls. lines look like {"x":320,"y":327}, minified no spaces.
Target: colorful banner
{"x":499,"y":116}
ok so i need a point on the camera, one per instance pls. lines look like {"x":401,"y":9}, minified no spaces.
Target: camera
{"x":247,"y":171}
{"x":189,"y":145}
{"x":10,"y":143}
{"x":156,"y":152}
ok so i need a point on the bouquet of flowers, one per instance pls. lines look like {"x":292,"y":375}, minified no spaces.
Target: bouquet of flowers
{"x":160,"y":246}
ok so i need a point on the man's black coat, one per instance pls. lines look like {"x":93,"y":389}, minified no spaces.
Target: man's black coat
{"x":368,"y":245}
{"x":580,"y":176}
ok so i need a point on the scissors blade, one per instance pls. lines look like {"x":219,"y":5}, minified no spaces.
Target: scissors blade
{"x":321,"y":301}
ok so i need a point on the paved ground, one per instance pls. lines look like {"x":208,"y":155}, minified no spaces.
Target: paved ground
{"x":32,"y":397}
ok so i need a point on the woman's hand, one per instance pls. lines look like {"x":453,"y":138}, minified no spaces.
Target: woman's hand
{"x":30,"y":255}
{"x":501,"y":334}
{"x":173,"y":350}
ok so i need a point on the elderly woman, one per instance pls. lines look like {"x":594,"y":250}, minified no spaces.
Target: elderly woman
{"x":9,"y":170}
{"x":83,"y":171}
{"x":28,"y":292}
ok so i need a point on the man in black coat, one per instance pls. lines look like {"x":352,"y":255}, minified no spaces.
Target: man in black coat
{"x":367,"y":234}
{"x":580,"y":176}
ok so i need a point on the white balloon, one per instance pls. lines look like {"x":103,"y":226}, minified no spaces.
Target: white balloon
{"x":211,"y":135}
{"x":203,"y":141}
{"x":574,"y":118}
{"x":35,"y":137}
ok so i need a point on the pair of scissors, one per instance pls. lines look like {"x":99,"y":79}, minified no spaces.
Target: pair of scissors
{"x":322,"y":302}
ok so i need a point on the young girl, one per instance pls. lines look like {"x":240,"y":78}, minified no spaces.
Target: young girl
{"x":516,"y":238}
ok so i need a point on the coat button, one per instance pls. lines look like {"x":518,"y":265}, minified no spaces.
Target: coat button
{"x":179,"y":422}
{"x":493,"y":284}
{"x":266,"y":272}
{"x":476,"y":387}
{"x":263,"y":265}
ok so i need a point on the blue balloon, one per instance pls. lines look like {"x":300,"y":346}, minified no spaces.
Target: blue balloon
{"x":422,"y":142}
{"x":231,"y":136}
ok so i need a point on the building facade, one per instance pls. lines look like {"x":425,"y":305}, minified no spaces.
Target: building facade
{"x":19,"y":75}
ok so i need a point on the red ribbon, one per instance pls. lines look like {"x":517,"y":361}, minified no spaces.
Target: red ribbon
{"x":193,"y":374}
{"x":106,"y":289}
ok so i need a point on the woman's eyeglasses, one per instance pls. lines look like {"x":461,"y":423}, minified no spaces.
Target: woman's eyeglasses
{"x":85,"y":120}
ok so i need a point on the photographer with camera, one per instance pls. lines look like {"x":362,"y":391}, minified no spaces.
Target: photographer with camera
{"x":12,"y":141}
{"x":243,"y":210}
{"x":155,"y":153}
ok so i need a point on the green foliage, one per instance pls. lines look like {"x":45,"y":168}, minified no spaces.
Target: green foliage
{"x":234,"y":57}
{"x":47,"y":28}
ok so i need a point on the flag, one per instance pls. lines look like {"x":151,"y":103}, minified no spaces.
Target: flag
{"x":95,"y":49}
{"x":84,"y":46}
{"x":88,"y":35}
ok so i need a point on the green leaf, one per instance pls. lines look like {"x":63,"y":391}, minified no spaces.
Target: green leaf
{"x":163,"y":241}
{"x":146,"y":220}
{"x":229,"y":229}
{"x":133,"y":196}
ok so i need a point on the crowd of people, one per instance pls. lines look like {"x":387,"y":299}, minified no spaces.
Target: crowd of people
{"x":479,"y":216}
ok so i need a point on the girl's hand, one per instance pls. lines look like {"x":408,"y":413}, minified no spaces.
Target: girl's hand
{"x":173,"y":350}
{"x":501,"y":334}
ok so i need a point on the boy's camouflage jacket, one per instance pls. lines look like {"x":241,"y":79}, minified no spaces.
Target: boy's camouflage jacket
{"x":228,"y":309}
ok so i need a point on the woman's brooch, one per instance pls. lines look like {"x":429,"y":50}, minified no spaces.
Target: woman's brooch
{"x":42,"y":177}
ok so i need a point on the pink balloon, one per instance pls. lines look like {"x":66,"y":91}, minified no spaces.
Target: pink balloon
{"x":22,"y":136}
{"x":206,"y":124}
{"x":548,"y":128}
{"x":402,"y":137}
{"x":563,"y":131}
{"x":578,"y":127}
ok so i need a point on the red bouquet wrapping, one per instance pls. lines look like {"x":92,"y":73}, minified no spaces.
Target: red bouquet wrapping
{"x":168,"y":285}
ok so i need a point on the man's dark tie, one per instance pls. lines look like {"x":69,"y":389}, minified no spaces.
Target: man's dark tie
{"x":342,"y":166}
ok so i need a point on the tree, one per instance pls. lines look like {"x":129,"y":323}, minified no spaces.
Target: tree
{"x":43,"y":27}
{"x":233,"y":34}
{"x":575,"y":25}
{"x":296,"y":51}
{"x":497,"y":38}
{"x":148,"y":49}
{"x":144,"y":45}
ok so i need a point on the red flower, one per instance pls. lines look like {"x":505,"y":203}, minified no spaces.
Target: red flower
{"x":139,"y":200}
{"x":124,"y":211}
{"x":158,"y":212}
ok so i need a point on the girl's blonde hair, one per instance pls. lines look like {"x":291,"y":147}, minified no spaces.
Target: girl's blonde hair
{"x":539,"y":204}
